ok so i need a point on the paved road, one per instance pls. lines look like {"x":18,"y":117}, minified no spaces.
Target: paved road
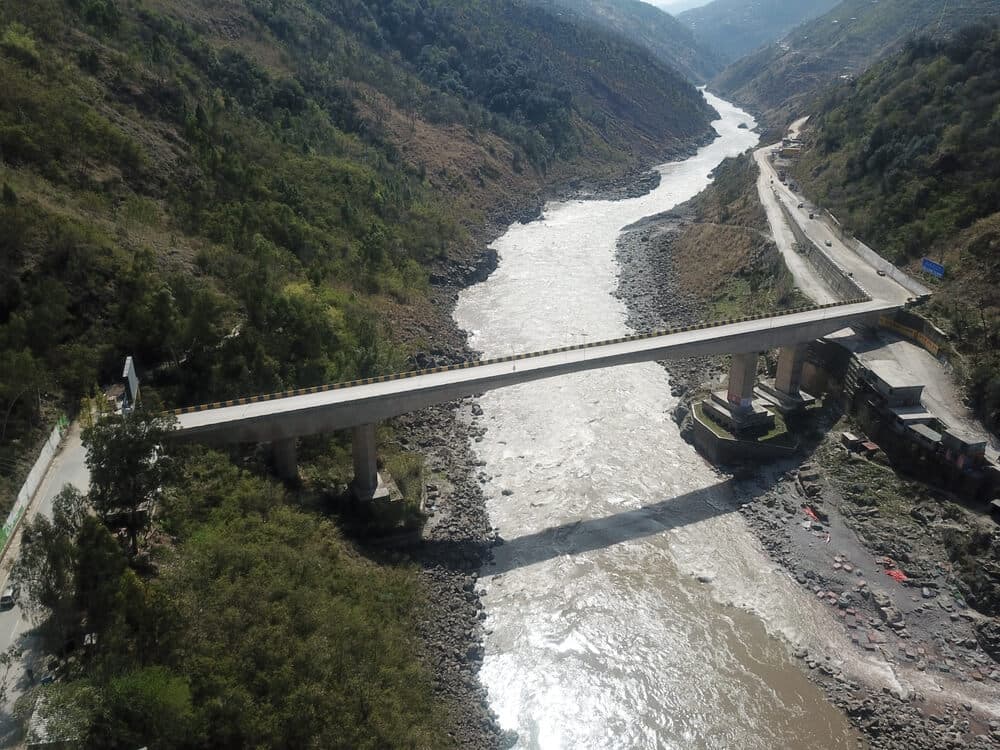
{"x":806,"y":279}
{"x":821,"y":232}
{"x":264,"y":420}
{"x":68,"y":467}
{"x":941,"y":395}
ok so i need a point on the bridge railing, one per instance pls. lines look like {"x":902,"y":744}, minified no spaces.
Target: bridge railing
{"x":470,"y":364}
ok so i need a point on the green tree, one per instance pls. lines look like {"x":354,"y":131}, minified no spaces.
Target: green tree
{"x":149,"y":706}
{"x":99,"y":568}
{"x":127,"y":469}
{"x":46,"y":568}
{"x":22,"y":377}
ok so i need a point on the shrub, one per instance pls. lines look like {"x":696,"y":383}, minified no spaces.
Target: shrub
{"x":19,"y":44}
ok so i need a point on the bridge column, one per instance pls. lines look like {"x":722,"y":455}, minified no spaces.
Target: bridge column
{"x":742,"y":378}
{"x":365,"y":484}
{"x":788,"y":378}
{"x":286,"y":460}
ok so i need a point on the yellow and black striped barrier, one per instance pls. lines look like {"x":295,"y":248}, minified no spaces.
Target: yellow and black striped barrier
{"x":511,"y":358}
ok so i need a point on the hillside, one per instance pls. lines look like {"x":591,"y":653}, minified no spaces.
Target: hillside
{"x":734,"y":28}
{"x":844,"y":42}
{"x":907,"y":157}
{"x":662,"y":34}
{"x":175,"y":171}
{"x":249,"y":196}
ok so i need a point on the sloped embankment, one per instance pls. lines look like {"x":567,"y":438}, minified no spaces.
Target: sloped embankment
{"x":707,"y":259}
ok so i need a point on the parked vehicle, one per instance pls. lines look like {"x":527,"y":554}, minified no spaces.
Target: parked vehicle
{"x":828,"y":243}
{"x":9,"y":596}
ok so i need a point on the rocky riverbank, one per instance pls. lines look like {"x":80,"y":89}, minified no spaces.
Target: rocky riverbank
{"x":886,"y":577}
{"x":840,"y":528}
{"x":648,"y":284}
{"x":456,"y":542}
{"x":707,"y":259}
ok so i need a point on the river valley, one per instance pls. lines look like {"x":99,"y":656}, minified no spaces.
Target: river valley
{"x":630,"y":606}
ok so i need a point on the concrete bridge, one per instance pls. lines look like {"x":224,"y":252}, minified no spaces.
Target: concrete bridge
{"x":281,"y":418}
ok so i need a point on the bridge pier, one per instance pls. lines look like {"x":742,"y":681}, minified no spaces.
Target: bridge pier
{"x":367,"y":484}
{"x":734,"y":409}
{"x":286,"y":458}
{"x":742,"y":378}
{"x":788,"y":379}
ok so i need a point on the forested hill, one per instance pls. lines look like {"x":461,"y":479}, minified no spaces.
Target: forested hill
{"x":177,"y":170}
{"x":251,"y":195}
{"x":662,"y":34}
{"x":908,"y":157}
{"x":843,"y":42}
{"x":734,"y":28}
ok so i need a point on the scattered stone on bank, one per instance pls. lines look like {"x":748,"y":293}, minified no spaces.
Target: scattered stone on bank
{"x":845,"y":552}
{"x":648,"y":285}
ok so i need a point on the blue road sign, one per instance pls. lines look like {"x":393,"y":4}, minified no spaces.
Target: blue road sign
{"x":934,"y":269}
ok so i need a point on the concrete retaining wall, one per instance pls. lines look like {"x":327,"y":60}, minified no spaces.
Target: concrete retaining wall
{"x":829,"y":270}
{"x":919,"y":330}
{"x":31,"y":484}
{"x":724,"y":451}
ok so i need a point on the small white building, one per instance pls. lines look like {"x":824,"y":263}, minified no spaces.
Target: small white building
{"x":897,"y":386}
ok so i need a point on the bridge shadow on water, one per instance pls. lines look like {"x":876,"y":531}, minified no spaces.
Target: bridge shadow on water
{"x":590,"y":534}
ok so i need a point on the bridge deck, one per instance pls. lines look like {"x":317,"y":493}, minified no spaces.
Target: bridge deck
{"x":326,"y":408}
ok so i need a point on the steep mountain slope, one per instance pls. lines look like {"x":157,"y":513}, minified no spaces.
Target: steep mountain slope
{"x":908,"y":158}
{"x":843,"y":42}
{"x":677,"y":6}
{"x":733,"y":28}
{"x":669,"y":41}
{"x":179,"y":169}
{"x":248,"y":195}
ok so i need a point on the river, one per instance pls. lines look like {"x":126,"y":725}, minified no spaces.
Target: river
{"x":628,"y":607}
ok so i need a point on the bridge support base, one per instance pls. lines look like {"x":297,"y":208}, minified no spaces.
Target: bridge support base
{"x":785,"y":394}
{"x":734,"y":408}
{"x":286,"y":459}
{"x":367,"y":484}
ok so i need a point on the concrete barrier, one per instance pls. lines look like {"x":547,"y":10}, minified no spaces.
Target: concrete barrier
{"x":919,"y":330}
{"x":832,"y":273}
{"x":881,"y":264}
{"x":32,"y":483}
